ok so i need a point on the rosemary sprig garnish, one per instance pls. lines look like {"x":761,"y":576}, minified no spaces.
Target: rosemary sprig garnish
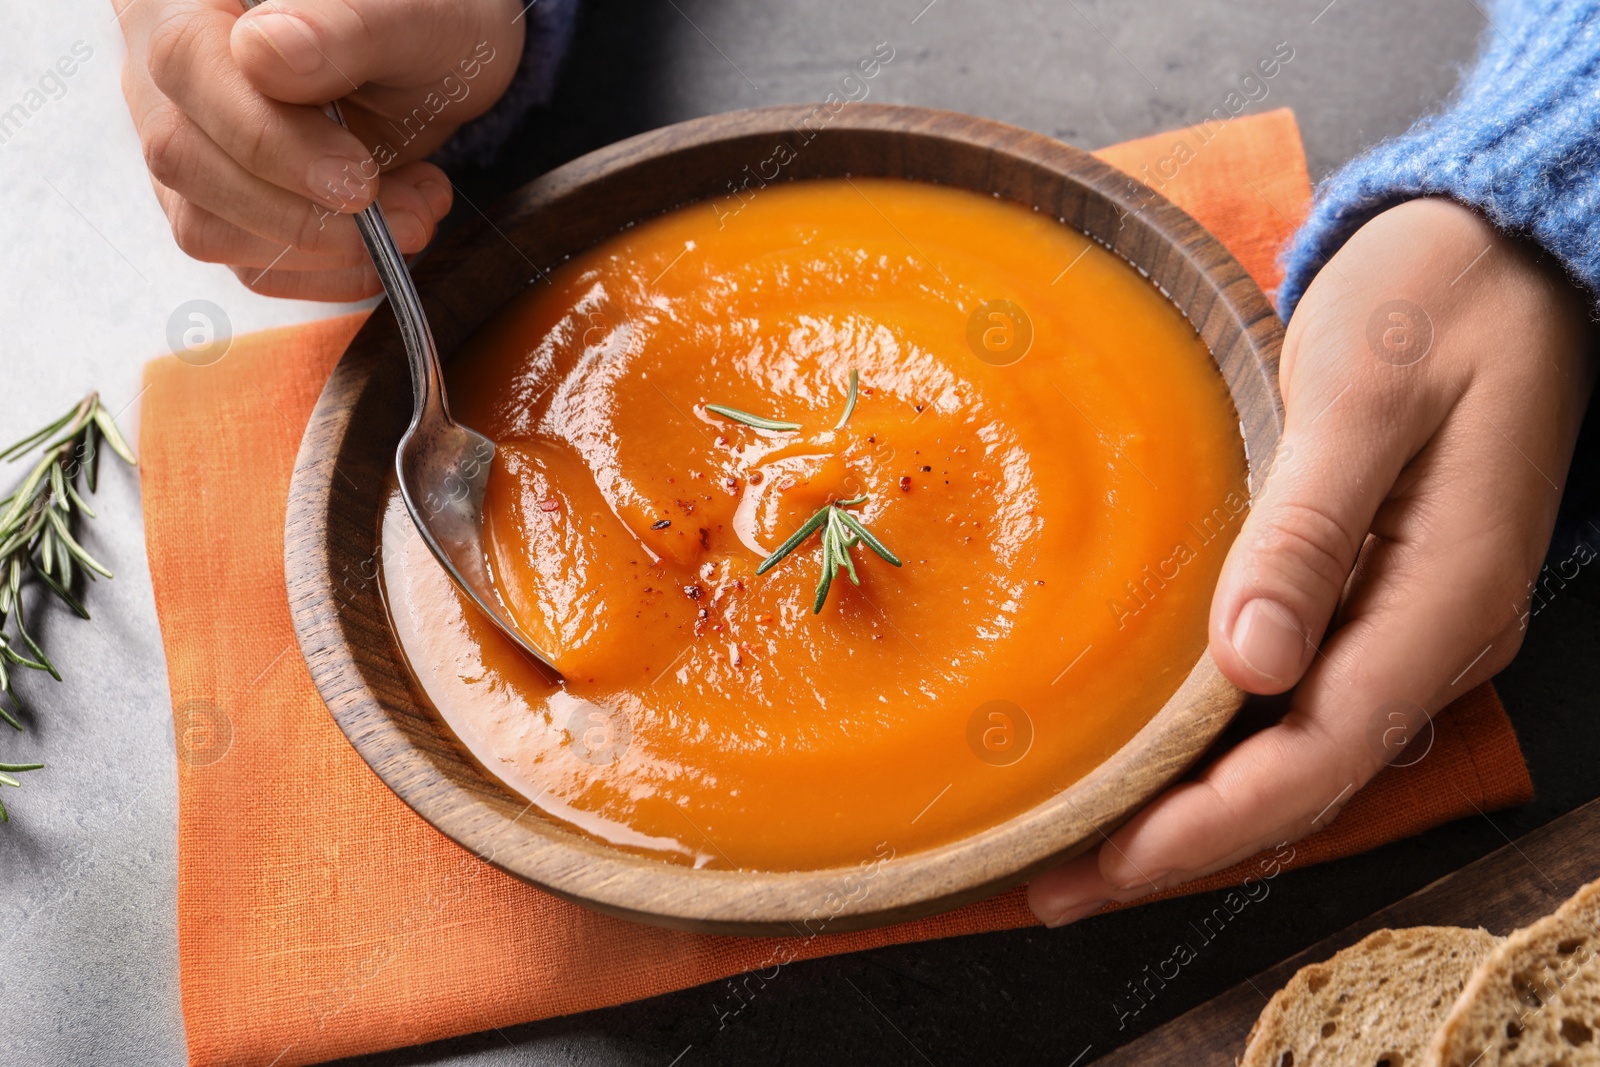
{"x":841,"y":531}
{"x":850,"y":401}
{"x":36,"y":537}
{"x":761,"y":422}
{"x":758,"y":421}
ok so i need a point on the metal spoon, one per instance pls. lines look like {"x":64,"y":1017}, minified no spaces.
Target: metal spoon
{"x":443,"y":465}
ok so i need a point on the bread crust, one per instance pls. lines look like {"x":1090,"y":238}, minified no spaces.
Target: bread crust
{"x":1382,"y":997}
{"x":1534,"y":1000}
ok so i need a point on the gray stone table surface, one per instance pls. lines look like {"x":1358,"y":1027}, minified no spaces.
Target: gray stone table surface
{"x":89,"y":277}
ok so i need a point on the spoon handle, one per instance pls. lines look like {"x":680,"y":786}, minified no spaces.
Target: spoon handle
{"x":403,"y":298}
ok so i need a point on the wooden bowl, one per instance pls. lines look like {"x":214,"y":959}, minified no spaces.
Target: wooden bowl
{"x":337,"y":497}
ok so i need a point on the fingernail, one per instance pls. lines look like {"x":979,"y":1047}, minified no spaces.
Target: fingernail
{"x":337,"y":182}
{"x":1072,"y":913}
{"x":1269,"y":639}
{"x":409,"y":232}
{"x":437,"y":194}
{"x":291,"y":38}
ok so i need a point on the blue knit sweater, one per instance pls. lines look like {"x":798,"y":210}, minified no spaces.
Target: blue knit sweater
{"x":549,"y":30}
{"x":1521,"y":144}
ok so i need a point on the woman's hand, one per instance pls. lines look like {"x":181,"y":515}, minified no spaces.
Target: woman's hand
{"x":1434,"y":378}
{"x":249,"y":170}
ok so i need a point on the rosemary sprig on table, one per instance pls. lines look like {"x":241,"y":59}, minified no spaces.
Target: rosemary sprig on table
{"x":841,"y":531}
{"x":9,"y":779}
{"x":36,"y":539}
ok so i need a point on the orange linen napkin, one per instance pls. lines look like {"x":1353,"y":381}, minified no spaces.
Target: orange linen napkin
{"x":319,"y":917}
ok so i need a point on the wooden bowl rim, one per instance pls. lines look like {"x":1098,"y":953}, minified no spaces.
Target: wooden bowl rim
{"x":582,"y":870}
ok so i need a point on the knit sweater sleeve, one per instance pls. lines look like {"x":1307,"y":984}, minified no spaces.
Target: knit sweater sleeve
{"x":549,"y":25}
{"x":1520,"y":144}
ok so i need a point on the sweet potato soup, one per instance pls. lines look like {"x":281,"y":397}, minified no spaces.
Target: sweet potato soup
{"x":1016,"y":446}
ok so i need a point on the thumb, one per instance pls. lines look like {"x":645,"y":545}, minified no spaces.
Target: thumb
{"x":1286,"y":571}
{"x":313,"y":51}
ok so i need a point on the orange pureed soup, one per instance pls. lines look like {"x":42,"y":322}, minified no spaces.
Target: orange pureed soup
{"x":1038,"y":436}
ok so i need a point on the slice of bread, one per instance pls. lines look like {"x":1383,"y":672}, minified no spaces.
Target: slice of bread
{"x":1534,"y":1000}
{"x":1375,"y":1004}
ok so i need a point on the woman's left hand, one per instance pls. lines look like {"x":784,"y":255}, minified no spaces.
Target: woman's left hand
{"x":1434,"y":379}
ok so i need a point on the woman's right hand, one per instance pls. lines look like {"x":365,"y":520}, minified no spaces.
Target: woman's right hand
{"x":250,"y":171}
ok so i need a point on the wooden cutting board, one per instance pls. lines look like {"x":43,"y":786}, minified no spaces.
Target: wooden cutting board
{"x":1524,"y":881}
